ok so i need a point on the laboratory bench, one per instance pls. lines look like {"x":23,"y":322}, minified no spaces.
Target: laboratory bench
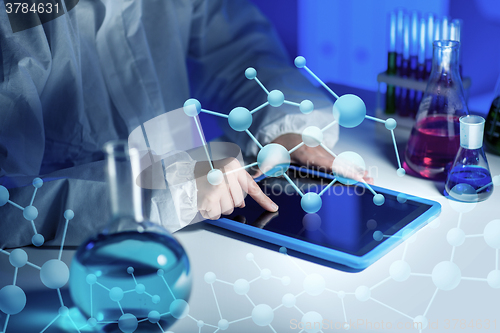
{"x":470,"y":306}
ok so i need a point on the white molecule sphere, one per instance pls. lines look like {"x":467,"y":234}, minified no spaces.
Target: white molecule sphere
{"x":192,"y":107}
{"x":362,"y":293}
{"x":262,"y":315}
{"x":91,"y":279}
{"x":265,"y":274}
{"x":240,"y":119}
{"x":128,"y":323}
{"x":18,"y":258}
{"x":140,"y":288}
{"x":378,"y":199}
{"x":401,"y":172}
{"x":446,"y":275}
{"x":300,"y":62}
{"x":465,"y":198}
{"x":4,"y":195}
{"x":312,"y":136}
{"x":455,"y":237}
{"x":250,"y":73}
{"x":116,"y":294}
{"x":241,"y":287}
{"x":400,"y":270}
{"x":494,"y":279}
{"x":130,"y":270}
{"x":210,"y":277}
{"x":37,"y":182}
{"x":179,"y":309}
{"x":30,"y":213}
{"x":341,"y":294}
{"x":311,"y":202}
{"x":283,"y":250}
{"x":348,"y":166}
{"x":306,"y":106}
{"x":347,"y":326}
{"x":155,"y":299}
{"x":154,"y":317}
{"x":350,"y":110}
{"x":160,"y":272}
{"x":314,"y":284}
{"x":371,"y":224}
{"x":273,"y":160}
{"x":420,"y":322}
{"x":309,"y":319}
{"x":69,"y":214}
{"x":391,"y":124}
{"x":12,"y":300}
{"x":92,"y":322}
{"x":223,"y":324}
{"x":378,"y":235}
{"x":63,"y":311}
{"x":402,"y":198}
{"x":285,"y":280}
{"x":54,"y":274}
{"x":215,"y":177}
{"x":492,"y":234}
{"x":288,"y":300}
{"x":311,"y":222}
{"x":200,"y":323}
{"x":249,"y":256}
{"x":275,"y":98}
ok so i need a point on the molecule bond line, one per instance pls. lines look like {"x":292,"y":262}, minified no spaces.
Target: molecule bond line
{"x":274,"y":159}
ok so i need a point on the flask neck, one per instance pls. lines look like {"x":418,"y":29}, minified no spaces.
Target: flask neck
{"x":122,"y":168}
{"x":445,"y":58}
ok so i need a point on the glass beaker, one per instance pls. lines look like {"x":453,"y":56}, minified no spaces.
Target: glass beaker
{"x":435,"y":138}
{"x":469,"y":179}
{"x":133,"y":274}
{"x":492,"y":127}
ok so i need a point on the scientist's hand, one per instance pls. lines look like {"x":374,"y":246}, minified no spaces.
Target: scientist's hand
{"x":214,"y":200}
{"x":316,"y":157}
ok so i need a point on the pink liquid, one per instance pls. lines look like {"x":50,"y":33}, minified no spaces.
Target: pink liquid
{"x":432,"y":146}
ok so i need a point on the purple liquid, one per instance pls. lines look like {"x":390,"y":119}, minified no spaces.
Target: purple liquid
{"x":432,"y":146}
{"x":477,"y":177}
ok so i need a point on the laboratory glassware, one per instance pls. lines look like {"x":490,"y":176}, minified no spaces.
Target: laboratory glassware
{"x":492,"y":127}
{"x":133,"y":270}
{"x":390,"y":97}
{"x":469,"y":179}
{"x":435,"y":137}
{"x":403,"y":104}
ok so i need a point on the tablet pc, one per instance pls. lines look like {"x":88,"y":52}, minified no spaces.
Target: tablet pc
{"x":349,"y":229}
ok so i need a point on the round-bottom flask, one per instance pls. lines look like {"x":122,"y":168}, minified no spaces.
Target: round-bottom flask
{"x":134,"y":275}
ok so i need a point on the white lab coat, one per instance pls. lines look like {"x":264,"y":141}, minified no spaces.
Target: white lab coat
{"x":105,"y":67}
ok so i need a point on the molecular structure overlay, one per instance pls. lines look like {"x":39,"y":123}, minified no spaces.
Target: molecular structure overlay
{"x":274,"y":159}
{"x":54,"y":274}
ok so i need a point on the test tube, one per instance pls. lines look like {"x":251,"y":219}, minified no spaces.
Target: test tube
{"x":429,"y":39}
{"x":413,"y":63}
{"x":445,"y":32}
{"x":390,"y":97}
{"x":403,"y":106}
{"x":455,"y":32}
{"x":421,"y":73}
{"x":399,"y":50}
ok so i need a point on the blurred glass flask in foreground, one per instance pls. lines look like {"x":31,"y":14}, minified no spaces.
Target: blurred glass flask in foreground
{"x":133,"y":275}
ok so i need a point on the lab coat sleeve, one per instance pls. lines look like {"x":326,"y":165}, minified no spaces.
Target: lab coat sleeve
{"x":227,"y":37}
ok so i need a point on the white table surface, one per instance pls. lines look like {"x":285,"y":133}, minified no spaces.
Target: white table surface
{"x":213,"y":250}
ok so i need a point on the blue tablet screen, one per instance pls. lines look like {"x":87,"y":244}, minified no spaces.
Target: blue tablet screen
{"x":347,"y":220}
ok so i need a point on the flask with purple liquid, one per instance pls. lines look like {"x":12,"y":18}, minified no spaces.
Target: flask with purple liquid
{"x":435,"y":137}
{"x":469,"y":179}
